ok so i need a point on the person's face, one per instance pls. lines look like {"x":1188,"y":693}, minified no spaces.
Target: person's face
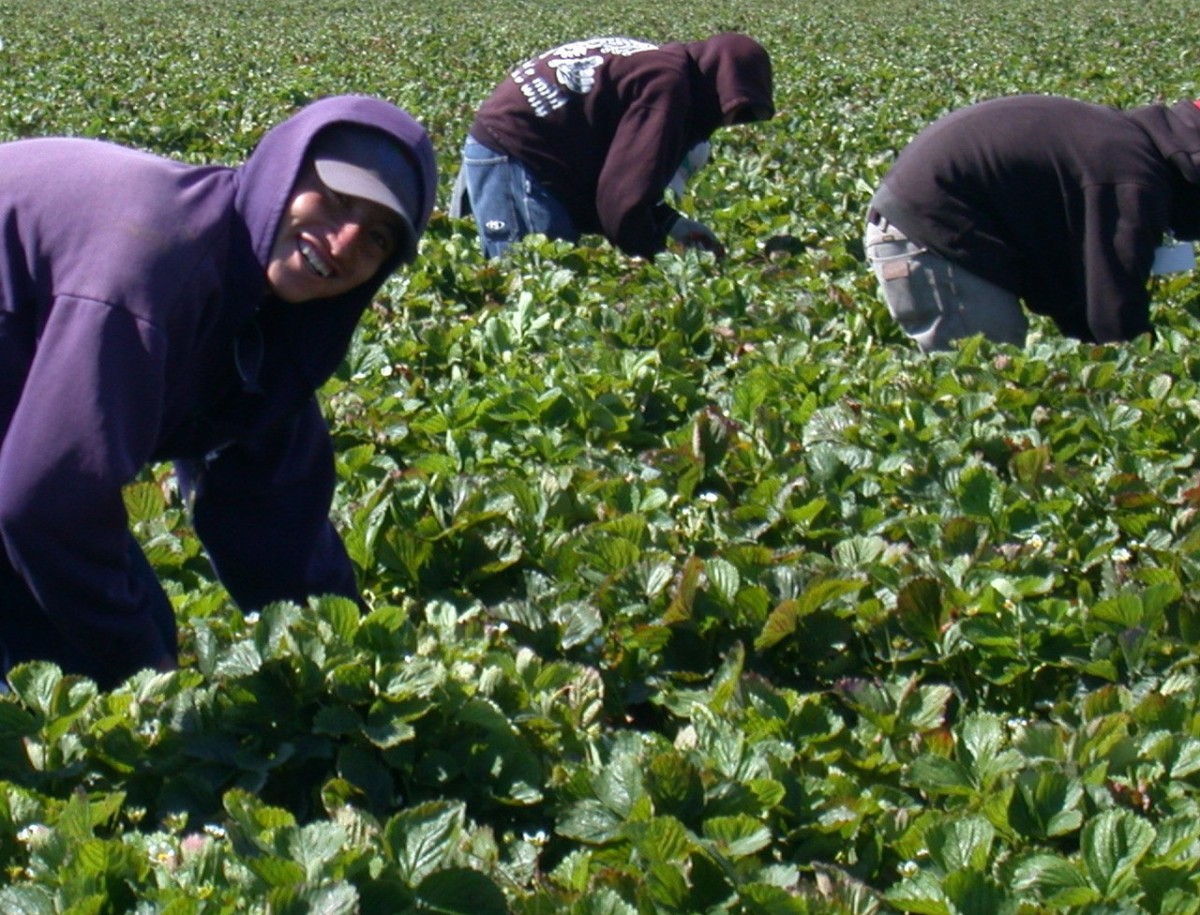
{"x":328,"y":243}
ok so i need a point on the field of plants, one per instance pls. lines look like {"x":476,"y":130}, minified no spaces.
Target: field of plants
{"x":694,"y":587}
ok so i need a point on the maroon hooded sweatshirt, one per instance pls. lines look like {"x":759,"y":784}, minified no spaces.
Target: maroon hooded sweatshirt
{"x":604,"y":123}
{"x":1059,"y":201}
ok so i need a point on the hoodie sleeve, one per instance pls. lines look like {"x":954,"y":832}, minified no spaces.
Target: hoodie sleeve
{"x":261,"y":509}
{"x":83,"y":427}
{"x":645,"y":152}
{"x":1124,"y":224}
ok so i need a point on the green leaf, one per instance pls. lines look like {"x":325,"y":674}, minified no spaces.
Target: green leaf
{"x":766,"y":899}
{"x":1125,"y":610}
{"x":924,"y":708}
{"x":239,"y":660}
{"x":15,"y":723}
{"x":1053,"y":880}
{"x":313,"y":846}
{"x":786,"y":617}
{"x":1186,"y":759}
{"x":737,"y":836}
{"x":144,"y":501}
{"x":939,"y":775}
{"x":974,"y":893}
{"x":342,"y":614}
{"x":35,"y":683}
{"x":361,"y":766}
{"x":961,"y":535}
{"x":353,"y":459}
{"x":619,"y":784}
{"x":1031,"y":464}
{"x":578,"y":622}
{"x":422,"y":838}
{"x":919,"y":609}
{"x":605,"y":901}
{"x":1046,"y":804}
{"x":591,"y":822}
{"x":93,"y":857}
{"x":921,"y":894}
{"x":275,"y":871}
{"x":1175,"y":837}
{"x":461,"y":891}
{"x":712,"y":435}
{"x":336,"y":719}
{"x":666,"y":885}
{"x":981,"y":739}
{"x":684,"y":598}
{"x":1112,"y":844}
{"x":767,"y":792}
{"x":724,"y":577}
{"x":257,"y":820}
{"x":335,"y":899}
{"x":963,"y":844}
{"x":27,"y":899}
{"x":655,"y":578}
{"x":385,"y":726}
{"x":665,"y":840}
{"x":675,"y":786}
{"x":977,"y":492}
{"x":859,"y":552}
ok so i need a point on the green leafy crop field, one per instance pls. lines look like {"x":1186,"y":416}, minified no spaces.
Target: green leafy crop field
{"x":695,"y":587}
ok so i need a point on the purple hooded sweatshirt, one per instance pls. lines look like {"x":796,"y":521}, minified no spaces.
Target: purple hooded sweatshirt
{"x":136,"y":326}
{"x":604,"y":123}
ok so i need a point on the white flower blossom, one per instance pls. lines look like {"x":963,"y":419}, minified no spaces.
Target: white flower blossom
{"x":536,"y":838}
{"x":32,"y":833}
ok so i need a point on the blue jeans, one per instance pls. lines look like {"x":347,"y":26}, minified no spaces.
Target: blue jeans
{"x":935,"y":301}
{"x":507,"y":201}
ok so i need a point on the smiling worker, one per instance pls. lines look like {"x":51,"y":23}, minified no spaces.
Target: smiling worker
{"x":151,"y":311}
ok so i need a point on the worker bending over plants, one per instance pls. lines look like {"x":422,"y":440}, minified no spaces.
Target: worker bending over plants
{"x":586,"y":137}
{"x":153,"y":311}
{"x":1048,"y":204}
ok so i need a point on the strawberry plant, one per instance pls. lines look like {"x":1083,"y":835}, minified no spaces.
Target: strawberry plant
{"x":692,"y":587}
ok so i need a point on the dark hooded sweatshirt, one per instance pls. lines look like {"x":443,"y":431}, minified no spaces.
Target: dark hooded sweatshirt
{"x":136,"y":326}
{"x":604,"y":123}
{"x":1058,"y":201}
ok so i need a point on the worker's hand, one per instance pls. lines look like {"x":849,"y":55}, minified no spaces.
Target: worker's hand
{"x":692,"y":234}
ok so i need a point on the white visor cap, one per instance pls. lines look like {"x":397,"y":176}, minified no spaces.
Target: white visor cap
{"x":366,"y":163}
